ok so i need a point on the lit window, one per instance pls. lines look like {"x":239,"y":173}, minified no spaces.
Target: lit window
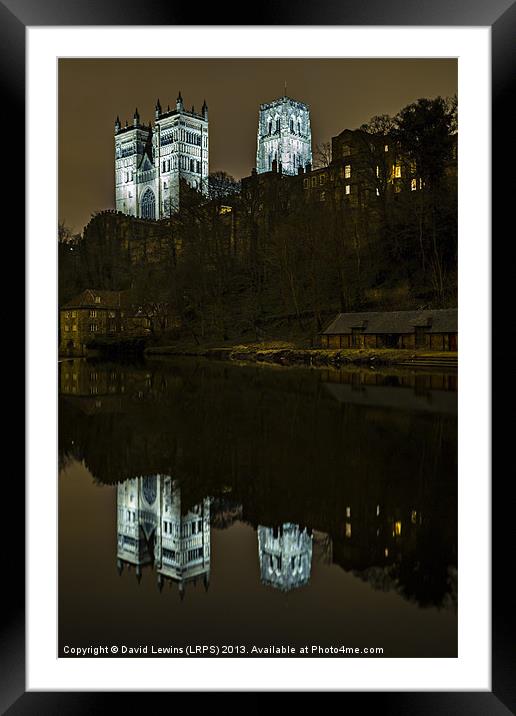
{"x":397,"y":528}
{"x":413,"y":185}
{"x":322,"y":196}
{"x":386,"y":148}
{"x":386,"y":552}
{"x":93,"y":314}
{"x":348,"y":511}
{"x":396,"y":170}
{"x":377,"y":510}
{"x":377,"y":192}
{"x":348,"y":189}
{"x":347,"y":171}
{"x":377,"y":170}
{"x":413,"y":517}
{"x":93,"y":327}
{"x":348,"y":529}
{"x":97,"y":299}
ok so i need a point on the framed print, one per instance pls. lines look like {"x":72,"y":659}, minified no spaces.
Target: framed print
{"x":267,"y":450}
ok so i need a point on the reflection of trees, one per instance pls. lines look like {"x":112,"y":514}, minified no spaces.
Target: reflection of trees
{"x":278,"y":445}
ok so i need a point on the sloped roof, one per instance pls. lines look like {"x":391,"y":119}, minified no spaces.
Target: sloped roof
{"x":108,"y":299}
{"x":435,"y":321}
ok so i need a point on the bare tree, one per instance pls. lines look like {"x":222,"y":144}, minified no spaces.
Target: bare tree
{"x":322,"y":155}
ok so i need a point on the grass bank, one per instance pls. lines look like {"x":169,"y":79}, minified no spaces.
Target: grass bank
{"x":289,"y":354}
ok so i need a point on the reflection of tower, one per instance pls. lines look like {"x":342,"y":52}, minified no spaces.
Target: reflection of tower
{"x":285,"y":557}
{"x":152,"y":528}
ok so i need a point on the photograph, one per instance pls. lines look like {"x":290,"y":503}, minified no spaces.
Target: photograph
{"x":257,"y":357}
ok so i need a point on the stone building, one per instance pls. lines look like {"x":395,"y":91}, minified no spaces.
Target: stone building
{"x":435,"y":330}
{"x":114,"y":316}
{"x":366,"y":169}
{"x":285,"y":556}
{"x":151,"y":160}
{"x":91,"y":313}
{"x":284,"y":136}
{"x":153,"y":529}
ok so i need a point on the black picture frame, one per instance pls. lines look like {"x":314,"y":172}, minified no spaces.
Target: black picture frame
{"x":500,"y":16}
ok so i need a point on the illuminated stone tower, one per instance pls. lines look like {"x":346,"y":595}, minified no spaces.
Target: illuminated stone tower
{"x":153,"y":529}
{"x":284,"y":136}
{"x":285,"y":557}
{"x":150,"y":160}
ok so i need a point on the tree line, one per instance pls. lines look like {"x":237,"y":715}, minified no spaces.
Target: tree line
{"x":272,"y":249}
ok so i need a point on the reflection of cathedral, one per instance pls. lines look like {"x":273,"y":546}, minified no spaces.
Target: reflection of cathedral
{"x":285,"y":556}
{"x":153,"y":530}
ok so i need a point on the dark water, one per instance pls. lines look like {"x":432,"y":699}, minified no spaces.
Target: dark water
{"x":206,"y":503}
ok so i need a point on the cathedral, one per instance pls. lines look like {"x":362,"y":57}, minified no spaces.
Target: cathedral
{"x":284,"y":137}
{"x":285,"y":556}
{"x":150,"y":160}
{"x":154,"y":529}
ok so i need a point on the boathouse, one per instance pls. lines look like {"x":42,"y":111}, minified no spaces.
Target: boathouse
{"x":434,"y":330}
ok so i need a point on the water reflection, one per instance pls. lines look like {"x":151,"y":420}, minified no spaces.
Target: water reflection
{"x":152,"y":529}
{"x":285,"y":556}
{"x":354,"y":468}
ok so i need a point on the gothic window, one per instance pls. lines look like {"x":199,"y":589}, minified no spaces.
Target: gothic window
{"x":291,"y":125}
{"x":149,"y":488}
{"x":148,"y":209}
{"x":278,"y":124}
{"x":270,"y":126}
{"x":347,"y":171}
{"x":299,"y":127}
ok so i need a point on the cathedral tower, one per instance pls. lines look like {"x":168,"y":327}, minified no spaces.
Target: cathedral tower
{"x":284,"y":136}
{"x":285,"y":556}
{"x":151,"y":161}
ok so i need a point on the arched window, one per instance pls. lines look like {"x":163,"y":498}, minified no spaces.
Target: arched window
{"x":292,"y":125}
{"x":299,"y":126}
{"x":278,"y":124}
{"x":270,"y":126}
{"x":148,"y":207}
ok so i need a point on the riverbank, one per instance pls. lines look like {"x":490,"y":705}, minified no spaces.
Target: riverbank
{"x":288,"y":354}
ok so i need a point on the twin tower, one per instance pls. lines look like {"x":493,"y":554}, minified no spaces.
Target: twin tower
{"x":150,"y":160}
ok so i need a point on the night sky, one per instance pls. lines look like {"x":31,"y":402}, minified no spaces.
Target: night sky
{"x":342,"y":94}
